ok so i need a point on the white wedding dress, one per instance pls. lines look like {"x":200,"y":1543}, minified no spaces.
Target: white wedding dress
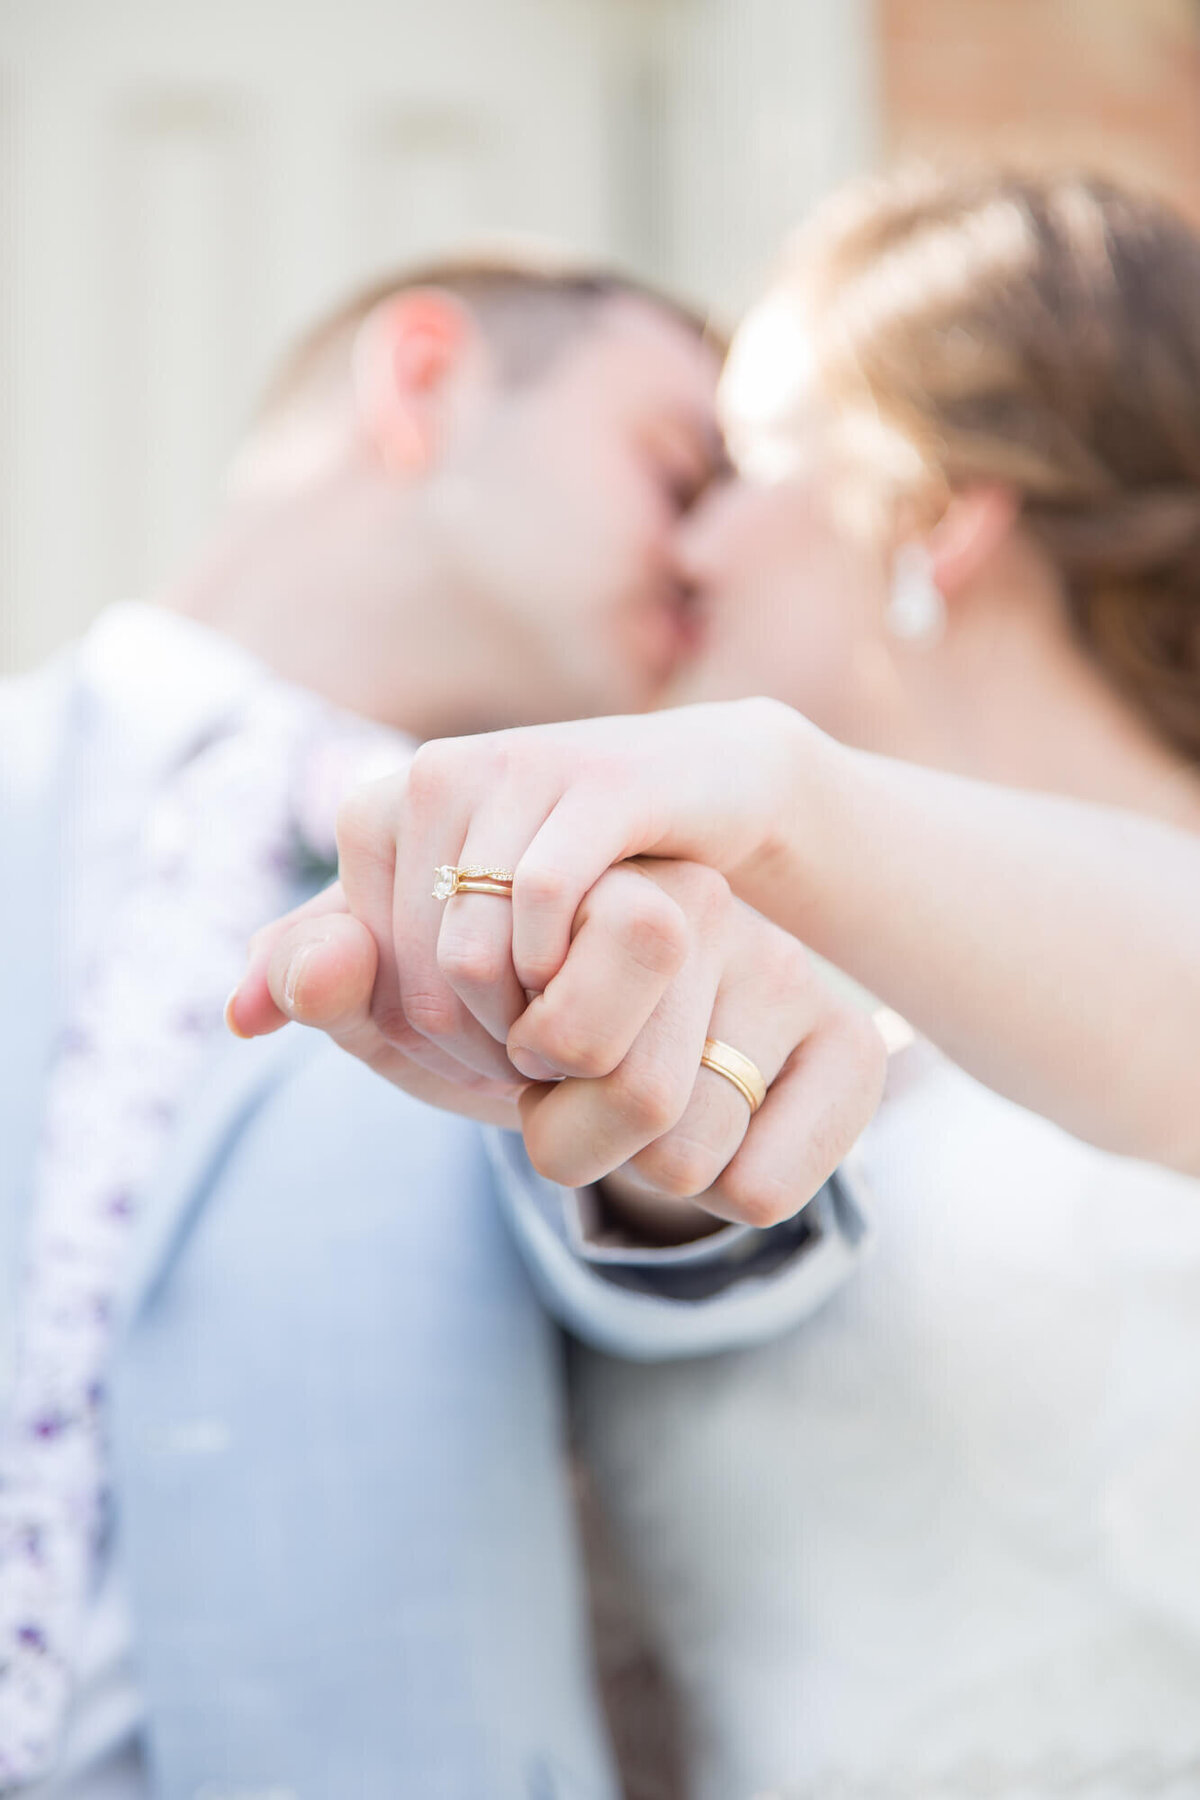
{"x":944,"y":1540}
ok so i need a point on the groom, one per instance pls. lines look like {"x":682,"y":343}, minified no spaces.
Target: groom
{"x":282,"y":1509}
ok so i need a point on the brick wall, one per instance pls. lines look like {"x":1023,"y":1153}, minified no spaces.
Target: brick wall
{"x":1114,"y":83}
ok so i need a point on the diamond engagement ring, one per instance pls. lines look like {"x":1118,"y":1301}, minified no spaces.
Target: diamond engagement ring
{"x":448,"y":881}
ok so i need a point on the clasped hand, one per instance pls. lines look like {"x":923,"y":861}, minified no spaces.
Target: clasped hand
{"x":578,"y":1011}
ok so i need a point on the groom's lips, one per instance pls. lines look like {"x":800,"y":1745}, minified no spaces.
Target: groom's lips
{"x":685,"y":630}
{"x":665,"y":631}
{"x":691,"y":627}
{"x":675,"y":630}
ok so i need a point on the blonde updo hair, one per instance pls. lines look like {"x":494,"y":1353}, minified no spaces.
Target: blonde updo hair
{"x":1043,"y":332}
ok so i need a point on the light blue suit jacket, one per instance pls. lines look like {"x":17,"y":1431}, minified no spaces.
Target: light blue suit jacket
{"x":343,"y":1521}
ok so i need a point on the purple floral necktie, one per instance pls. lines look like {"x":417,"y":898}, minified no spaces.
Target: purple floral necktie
{"x":215,"y":860}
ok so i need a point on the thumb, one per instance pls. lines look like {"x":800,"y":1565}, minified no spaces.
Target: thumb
{"x":252,"y":1010}
{"x":322,"y":971}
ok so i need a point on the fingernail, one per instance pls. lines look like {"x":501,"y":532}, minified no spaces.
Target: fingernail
{"x":293,"y":972}
{"x":533,"y":1068}
{"x":231,"y":1023}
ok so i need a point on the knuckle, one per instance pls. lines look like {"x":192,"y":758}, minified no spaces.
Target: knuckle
{"x":588,"y":1056}
{"x":679,"y":1167}
{"x":472,"y":962}
{"x":705,"y":896}
{"x":758,"y":1198}
{"x":649,"y":1099}
{"x":495,"y":757}
{"x":537,"y":969}
{"x":430,"y":1012}
{"x":392,"y":1024}
{"x":791,"y":967}
{"x":653,"y":933}
{"x":539,"y":887}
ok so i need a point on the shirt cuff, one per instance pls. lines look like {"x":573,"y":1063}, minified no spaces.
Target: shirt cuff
{"x":738,"y":1287}
{"x":693,"y":1270}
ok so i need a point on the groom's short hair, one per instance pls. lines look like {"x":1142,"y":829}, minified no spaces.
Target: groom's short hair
{"x":528,"y":307}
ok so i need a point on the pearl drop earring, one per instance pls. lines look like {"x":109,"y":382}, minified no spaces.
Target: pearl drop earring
{"x":916,"y":607}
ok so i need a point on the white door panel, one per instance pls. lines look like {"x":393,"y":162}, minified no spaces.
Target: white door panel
{"x":182,"y":186}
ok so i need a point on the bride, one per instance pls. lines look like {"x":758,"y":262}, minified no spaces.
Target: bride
{"x":944,"y":1542}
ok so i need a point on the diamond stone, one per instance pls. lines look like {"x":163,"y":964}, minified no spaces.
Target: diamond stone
{"x":445,"y":882}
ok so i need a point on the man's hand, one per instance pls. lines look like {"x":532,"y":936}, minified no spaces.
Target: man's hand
{"x":601,"y":1071}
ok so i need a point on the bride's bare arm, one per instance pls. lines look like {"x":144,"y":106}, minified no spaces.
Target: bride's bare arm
{"x":1051,"y":948}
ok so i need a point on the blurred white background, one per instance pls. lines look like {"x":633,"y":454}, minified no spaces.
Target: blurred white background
{"x":183,"y":185}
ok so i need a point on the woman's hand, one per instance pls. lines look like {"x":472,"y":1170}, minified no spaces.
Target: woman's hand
{"x":662,"y":958}
{"x":556,"y":806}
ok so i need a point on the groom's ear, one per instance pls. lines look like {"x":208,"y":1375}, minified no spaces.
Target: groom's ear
{"x":975,"y":523}
{"x":412,"y":353}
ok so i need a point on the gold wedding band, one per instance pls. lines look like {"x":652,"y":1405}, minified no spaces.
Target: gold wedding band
{"x":448,"y":881}
{"x":745,"y":1075}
